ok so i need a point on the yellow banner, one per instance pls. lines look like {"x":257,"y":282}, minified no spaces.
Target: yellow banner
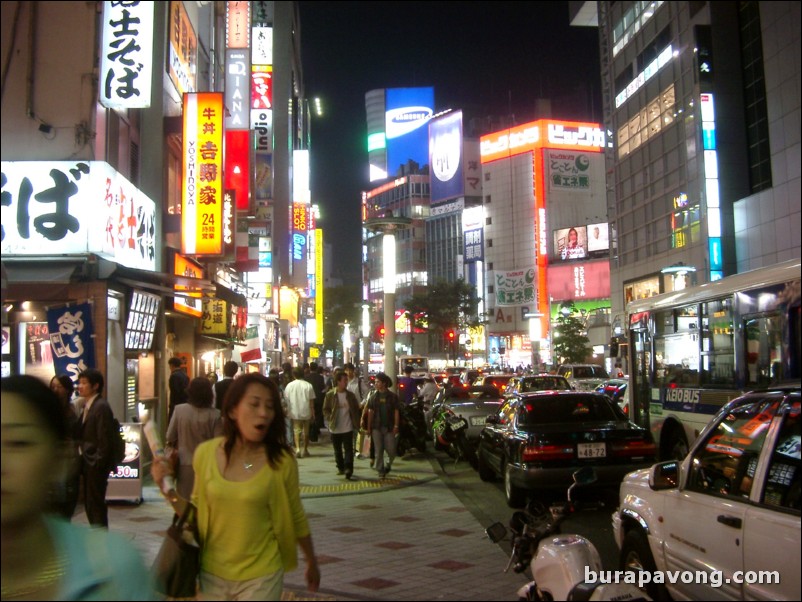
{"x":215,"y":317}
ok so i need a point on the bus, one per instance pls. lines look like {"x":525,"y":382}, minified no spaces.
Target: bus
{"x":692,"y":351}
{"x":419,"y":363}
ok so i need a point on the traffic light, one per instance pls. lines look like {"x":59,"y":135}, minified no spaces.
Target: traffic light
{"x":381,"y":332}
{"x":451,"y":336}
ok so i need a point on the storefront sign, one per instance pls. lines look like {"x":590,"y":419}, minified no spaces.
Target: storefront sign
{"x":125,"y":480}
{"x":126,"y":64}
{"x":214,"y":318}
{"x":515,"y":287}
{"x":71,"y":332}
{"x":75,"y":207}
{"x":183,"y":48}
{"x":202,"y":190}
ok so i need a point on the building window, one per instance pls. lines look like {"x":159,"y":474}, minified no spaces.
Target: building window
{"x":487,"y":198}
{"x":489,"y":242}
{"x":488,"y":221}
{"x":487,"y":176}
{"x":490,"y":265}
{"x":647,"y":123}
{"x":490,"y":290}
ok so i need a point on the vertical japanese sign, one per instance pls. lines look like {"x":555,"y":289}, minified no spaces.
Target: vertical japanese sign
{"x":183,"y":50}
{"x":202,"y":190}
{"x":71,"y":339}
{"x":238,"y":24}
{"x":319,"y":286}
{"x":214,"y":318}
{"x":189,"y":302}
{"x":126,"y":64}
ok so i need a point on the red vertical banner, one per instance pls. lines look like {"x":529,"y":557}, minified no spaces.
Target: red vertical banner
{"x":238,"y":167}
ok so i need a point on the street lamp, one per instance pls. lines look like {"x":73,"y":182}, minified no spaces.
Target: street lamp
{"x":388,"y":225}
{"x":346,"y":342}
{"x":366,"y":337}
{"x":535,"y":334}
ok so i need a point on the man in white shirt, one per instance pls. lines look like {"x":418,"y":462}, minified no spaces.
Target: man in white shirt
{"x":301,"y":402}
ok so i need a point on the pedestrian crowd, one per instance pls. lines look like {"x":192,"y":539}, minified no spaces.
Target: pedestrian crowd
{"x":232,"y":447}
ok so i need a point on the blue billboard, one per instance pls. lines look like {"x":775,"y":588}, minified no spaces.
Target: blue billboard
{"x":407,"y":114}
{"x":446,"y":157}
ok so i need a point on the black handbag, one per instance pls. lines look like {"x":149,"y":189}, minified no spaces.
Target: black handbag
{"x":177,"y":565}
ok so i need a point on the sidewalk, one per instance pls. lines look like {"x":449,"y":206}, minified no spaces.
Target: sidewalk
{"x":405,"y":537}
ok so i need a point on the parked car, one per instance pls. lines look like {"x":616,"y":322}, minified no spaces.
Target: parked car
{"x":499,"y":381}
{"x":537,"y":441}
{"x":583,"y":377}
{"x":475,"y":404}
{"x":617,"y":389}
{"x":733,"y":504}
{"x":536,"y":382}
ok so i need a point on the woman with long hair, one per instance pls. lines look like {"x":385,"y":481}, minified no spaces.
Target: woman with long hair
{"x":192,"y":423}
{"x":42,"y":556}
{"x":65,"y":491}
{"x":249,"y":513}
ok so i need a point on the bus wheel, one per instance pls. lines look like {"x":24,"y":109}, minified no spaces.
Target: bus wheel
{"x":676,"y":447}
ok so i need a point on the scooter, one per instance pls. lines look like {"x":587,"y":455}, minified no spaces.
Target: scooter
{"x":557,"y":562}
{"x":449,"y":431}
{"x":413,"y":428}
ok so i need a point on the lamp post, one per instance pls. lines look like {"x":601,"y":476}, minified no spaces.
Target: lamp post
{"x":388,"y":225}
{"x":366,"y":337}
{"x":535,"y":334}
{"x":346,"y":342}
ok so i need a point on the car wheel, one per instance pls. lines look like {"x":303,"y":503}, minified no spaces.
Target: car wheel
{"x":516,"y":497}
{"x":636,"y":556}
{"x":485,"y":471}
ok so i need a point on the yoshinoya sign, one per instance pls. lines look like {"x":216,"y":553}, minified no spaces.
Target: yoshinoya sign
{"x":76,"y":207}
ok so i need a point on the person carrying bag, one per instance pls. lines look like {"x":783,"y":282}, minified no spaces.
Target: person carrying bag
{"x":177,"y":565}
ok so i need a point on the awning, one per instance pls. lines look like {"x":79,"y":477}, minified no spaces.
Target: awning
{"x":223,"y":339}
{"x":160,"y":282}
{"x":226,"y":294}
{"x":41,"y":269}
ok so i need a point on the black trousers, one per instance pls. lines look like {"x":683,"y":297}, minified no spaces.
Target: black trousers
{"x":95,"y":483}
{"x":343,"y":451}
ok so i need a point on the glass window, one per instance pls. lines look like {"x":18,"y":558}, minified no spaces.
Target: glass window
{"x":566,"y":409}
{"x":726,"y":463}
{"x":782,"y":484}
{"x":718,"y":353}
{"x":763,"y":340}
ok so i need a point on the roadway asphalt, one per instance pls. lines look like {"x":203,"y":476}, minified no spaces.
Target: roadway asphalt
{"x":405,"y":537}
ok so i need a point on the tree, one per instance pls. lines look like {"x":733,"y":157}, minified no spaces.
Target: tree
{"x":444,"y":306}
{"x":340,"y":304}
{"x":569,"y":342}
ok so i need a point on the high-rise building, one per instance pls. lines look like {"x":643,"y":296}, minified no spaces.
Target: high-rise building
{"x":701,"y":102}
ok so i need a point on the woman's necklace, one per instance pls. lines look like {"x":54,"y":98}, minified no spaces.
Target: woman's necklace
{"x":52,"y":572}
{"x":248,"y":462}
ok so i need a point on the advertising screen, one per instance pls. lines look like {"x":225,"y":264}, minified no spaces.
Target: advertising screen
{"x":571,"y":243}
{"x":445,"y":157}
{"x":580,"y":280}
{"x":408,"y":111}
{"x":598,"y":237}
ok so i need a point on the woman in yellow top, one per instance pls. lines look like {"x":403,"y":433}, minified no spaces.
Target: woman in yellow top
{"x":246,"y":492}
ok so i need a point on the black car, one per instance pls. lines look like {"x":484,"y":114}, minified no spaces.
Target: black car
{"x":536,"y":382}
{"x":537,"y":441}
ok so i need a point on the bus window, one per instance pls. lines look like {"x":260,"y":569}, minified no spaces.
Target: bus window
{"x":718,"y":352}
{"x":763,"y":339}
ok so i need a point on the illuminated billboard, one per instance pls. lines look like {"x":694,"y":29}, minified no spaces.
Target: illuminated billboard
{"x":446,"y":157}
{"x":408,"y":111}
{"x":581,"y":280}
{"x":202,"y":187}
{"x":571,"y":243}
{"x":598,"y":237}
{"x":126,"y":62}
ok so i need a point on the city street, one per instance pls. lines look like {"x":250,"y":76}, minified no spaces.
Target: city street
{"x":417,"y":535}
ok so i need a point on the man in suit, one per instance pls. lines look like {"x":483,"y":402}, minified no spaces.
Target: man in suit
{"x":178,"y":383}
{"x":230,"y":369}
{"x":95,"y":446}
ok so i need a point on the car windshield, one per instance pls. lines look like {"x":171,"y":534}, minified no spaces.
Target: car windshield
{"x":543,"y":383}
{"x":567,"y":409}
{"x":589,"y":372}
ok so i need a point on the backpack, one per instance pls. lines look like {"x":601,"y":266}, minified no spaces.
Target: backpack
{"x":117,"y":445}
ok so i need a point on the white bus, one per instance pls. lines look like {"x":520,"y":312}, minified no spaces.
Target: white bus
{"x":419,"y":363}
{"x":691,"y":351}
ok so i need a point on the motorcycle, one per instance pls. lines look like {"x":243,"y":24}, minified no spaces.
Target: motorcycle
{"x":449,"y":433}
{"x":412,"y":431}
{"x":558,"y":562}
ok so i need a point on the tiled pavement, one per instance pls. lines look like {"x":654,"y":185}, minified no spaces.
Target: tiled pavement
{"x":406,"y":537}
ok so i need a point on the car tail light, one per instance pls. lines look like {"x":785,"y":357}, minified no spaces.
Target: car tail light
{"x":633,"y":447}
{"x":539,"y":452}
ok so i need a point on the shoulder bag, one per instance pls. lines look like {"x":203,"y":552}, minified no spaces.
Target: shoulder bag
{"x":177,"y":565}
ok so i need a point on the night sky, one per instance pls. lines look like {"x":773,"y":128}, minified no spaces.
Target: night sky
{"x":484,"y":58}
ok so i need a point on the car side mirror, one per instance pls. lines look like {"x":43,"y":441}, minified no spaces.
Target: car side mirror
{"x":492,"y":419}
{"x":664,"y":475}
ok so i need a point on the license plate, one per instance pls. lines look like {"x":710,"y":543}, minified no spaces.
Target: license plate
{"x":459,"y":424}
{"x":478,"y":420}
{"x":591,"y":450}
